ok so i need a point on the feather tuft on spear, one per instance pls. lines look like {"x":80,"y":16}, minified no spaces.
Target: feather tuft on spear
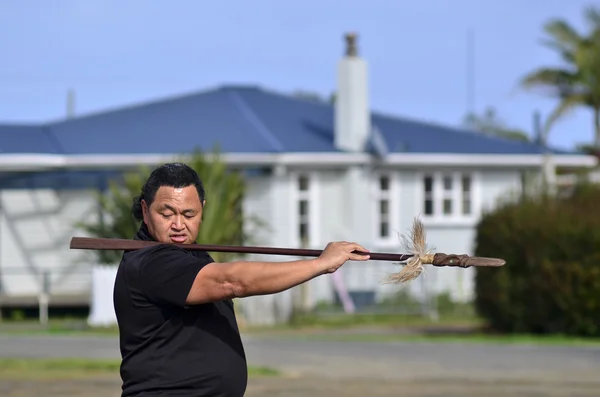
{"x":414,"y":243}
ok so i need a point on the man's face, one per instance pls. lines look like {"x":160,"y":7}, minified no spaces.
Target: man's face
{"x":175,"y":215}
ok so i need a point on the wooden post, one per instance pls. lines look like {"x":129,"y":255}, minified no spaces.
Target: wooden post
{"x":44,"y":298}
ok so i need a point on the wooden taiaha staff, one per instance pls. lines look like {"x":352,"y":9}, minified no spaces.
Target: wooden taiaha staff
{"x":413,"y":260}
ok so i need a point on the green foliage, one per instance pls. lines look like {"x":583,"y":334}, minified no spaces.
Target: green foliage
{"x":551,"y":281}
{"x":576,"y":83}
{"x":116,"y":219}
{"x":491,"y":124}
{"x":223,"y":221}
{"x":448,"y":307}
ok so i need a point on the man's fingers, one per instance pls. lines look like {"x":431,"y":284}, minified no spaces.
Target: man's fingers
{"x":358,"y":247}
{"x":359,"y":257}
{"x":355,"y":252}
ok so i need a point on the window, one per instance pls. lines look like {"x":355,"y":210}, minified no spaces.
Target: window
{"x":384,"y":207}
{"x":303,"y":208}
{"x":466,"y":194}
{"x":447,"y":195}
{"x":428,"y":182}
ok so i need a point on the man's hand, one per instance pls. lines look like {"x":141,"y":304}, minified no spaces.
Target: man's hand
{"x":336,"y":254}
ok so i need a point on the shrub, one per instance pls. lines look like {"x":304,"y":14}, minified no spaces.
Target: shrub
{"x":551,"y":280}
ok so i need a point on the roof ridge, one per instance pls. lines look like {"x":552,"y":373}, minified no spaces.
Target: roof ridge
{"x":137,"y":104}
{"x":249,"y":115}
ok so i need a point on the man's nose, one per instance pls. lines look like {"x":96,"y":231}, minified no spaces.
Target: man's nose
{"x":177,"y":223}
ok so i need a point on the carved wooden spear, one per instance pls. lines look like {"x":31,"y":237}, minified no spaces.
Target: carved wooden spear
{"x":413,"y":260}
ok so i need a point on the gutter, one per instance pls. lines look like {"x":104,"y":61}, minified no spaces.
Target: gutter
{"x":41,"y":162}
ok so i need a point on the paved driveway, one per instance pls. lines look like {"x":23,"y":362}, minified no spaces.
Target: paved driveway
{"x":385,"y":360}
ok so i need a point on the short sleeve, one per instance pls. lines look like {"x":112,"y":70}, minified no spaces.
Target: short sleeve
{"x":167,"y":274}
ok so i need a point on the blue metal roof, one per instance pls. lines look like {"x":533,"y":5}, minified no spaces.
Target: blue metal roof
{"x":59,"y":179}
{"x":410,"y":136}
{"x":238,"y":119}
{"x":27,"y":139}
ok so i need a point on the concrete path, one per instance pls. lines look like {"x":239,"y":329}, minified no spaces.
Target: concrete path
{"x":386,"y":360}
{"x":420,"y":361}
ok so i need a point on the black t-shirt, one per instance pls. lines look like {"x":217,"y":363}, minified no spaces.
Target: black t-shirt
{"x":167,"y":348}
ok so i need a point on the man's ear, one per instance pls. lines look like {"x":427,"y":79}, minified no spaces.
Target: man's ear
{"x":144,"y":210}
{"x":202,"y":213}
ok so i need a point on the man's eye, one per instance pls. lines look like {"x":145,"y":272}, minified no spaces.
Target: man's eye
{"x":167,"y":215}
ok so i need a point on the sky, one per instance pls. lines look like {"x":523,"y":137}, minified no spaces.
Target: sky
{"x":116,"y":53}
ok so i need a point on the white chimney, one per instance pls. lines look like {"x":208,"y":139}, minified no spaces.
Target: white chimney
{"x":352,"y":113}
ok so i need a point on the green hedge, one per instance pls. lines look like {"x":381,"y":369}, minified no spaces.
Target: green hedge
{"x":551,"y":281}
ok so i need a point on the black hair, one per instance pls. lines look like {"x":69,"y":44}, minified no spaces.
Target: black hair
{"x":177,"y":175}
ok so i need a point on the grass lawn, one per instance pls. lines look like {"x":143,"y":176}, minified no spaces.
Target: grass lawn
{"x":374,"y":337}
{"x":55,"y":327}
{"x":359,"y":327}
{"x":307,"y":322}
{"x":38,"y":369}
{"x":349,"y":321}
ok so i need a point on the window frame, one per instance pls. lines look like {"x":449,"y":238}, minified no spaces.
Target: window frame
{"x":392,"y":196}
{"x":311,"y":197}
{"x":440,"y":195}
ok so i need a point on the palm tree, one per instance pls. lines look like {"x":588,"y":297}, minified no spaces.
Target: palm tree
{"x":223,"y":221}
{"x":577,"y":83}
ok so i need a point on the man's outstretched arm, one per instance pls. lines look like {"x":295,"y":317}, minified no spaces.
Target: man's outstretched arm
{"x":218,"y":281}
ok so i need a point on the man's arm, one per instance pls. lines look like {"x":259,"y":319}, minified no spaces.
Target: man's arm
{"x":218,"y":281}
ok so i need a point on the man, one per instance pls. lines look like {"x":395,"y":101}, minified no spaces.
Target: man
{"x":178,"y":331}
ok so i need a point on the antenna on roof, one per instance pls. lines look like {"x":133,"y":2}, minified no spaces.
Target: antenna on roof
{"x":470,"y":71}
{"x":70,"y":103}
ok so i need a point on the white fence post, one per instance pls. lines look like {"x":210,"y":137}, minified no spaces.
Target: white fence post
{"x":102,"y":311}
{"x":44,"y":298}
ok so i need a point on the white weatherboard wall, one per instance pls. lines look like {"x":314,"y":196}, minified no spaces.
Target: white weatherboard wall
{"x":333,"y":222}
{"x":498,"y":185}
{"x":266,"y":199}
{"x":36,"y":226}
{"x":35,"y":230}
{"x":456,"y":236}
{"x":344,"y":207}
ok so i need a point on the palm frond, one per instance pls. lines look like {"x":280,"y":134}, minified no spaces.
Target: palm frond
{"x":565,"y":106}
{"x":563,"y":33}
{"x":592,"y":17}
{"x":563,"y":38}
{"x":551,"y":81}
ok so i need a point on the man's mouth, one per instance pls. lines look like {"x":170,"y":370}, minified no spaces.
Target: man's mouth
{"x":178,"y":238}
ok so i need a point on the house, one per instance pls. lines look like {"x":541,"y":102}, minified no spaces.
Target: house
{"x":316,"y":172}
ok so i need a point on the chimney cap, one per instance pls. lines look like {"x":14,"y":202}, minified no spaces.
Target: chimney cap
{"x":351,"y":49}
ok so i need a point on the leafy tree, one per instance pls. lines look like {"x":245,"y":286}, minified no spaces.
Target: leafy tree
{"x":222,"y":221}
{"x":115,"y":218}
{"x":551,"y":281}
{"x":577,"y":82}
{"x":489,"y":123}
